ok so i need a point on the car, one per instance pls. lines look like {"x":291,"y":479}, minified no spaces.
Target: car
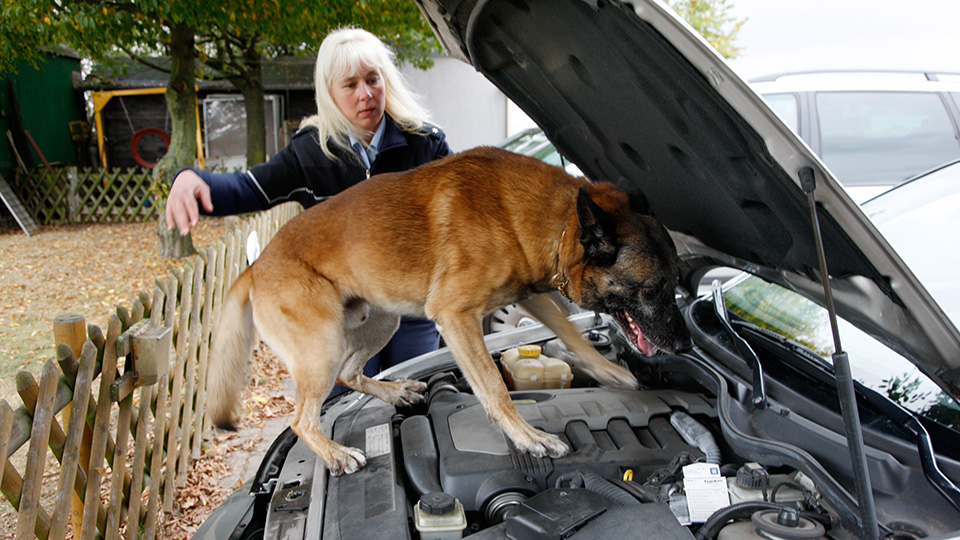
{"x":747,"y":434}
{"x":533,"y":142}
{"x":873,"y":129}
{"x":905,"y":215}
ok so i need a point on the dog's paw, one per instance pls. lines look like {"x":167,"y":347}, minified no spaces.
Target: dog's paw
{"x":611,"y":375}
{"x":405,"y":392}
{"x":344,"y":460}
{"x":541,"y":444}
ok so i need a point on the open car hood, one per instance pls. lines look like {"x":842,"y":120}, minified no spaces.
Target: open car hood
{"x":632,"y":95}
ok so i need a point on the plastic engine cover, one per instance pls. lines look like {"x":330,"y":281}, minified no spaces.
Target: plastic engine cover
{"x":608,"y":431}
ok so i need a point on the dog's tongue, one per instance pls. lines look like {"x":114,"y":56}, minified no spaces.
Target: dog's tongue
{"x":638,"y":338}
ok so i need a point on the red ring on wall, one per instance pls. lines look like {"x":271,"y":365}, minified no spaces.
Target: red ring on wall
{"x":135,"y":141}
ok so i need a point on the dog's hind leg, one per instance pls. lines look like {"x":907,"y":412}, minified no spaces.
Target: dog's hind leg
{"x":366,"y":331}
{"x":464,"y":336}
{"x":308,"y":336}
{"x":604,"y":371}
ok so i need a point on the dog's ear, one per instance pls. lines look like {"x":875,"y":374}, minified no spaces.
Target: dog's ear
{"x":598,"y":231}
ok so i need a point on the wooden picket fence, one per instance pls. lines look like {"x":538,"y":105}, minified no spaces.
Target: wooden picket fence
{"x":70,"y":195}
{"x":141,"y":382}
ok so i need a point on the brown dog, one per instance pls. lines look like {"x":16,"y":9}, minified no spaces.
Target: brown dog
{"x":450,"y":241}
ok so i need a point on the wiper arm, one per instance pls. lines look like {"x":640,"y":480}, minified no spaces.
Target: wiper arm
{"x":759,"y":399}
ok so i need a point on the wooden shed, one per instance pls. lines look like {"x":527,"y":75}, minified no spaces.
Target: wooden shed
{"x":136,"y":124}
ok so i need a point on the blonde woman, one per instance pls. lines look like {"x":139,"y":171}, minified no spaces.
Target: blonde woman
{"x":367,"y":122}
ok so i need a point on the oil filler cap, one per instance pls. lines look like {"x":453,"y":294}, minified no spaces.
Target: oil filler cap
{"x":437,"y":503}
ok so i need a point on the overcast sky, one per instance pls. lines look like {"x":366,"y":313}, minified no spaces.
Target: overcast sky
{"x":791,"y":35}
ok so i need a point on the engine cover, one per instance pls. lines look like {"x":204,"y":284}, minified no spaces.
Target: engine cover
{"x":609,"y":431}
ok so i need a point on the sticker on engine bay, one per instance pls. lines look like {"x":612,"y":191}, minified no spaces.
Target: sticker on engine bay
{"x":378,"y":440}
{"x":706,"y":490}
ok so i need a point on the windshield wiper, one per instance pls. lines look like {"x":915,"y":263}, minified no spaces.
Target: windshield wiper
{"x":759,"y":399}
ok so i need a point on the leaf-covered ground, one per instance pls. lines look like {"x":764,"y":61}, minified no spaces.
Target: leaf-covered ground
{"x":89,"y":270}
{"x":81,"y":269}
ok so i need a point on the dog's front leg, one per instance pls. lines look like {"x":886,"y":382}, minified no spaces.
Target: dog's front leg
{"x":464,"y":335}
{"x":605,"y":372}
{"x":313,"y":384}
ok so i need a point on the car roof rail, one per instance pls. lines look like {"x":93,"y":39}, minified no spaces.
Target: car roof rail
{"x":929,"y":75}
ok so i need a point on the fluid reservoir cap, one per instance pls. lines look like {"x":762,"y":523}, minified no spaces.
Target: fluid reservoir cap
{"x":529,"y":351}
{"x":752,"y":476}
{"x":599,"y":340}
{"x":437,"y":503}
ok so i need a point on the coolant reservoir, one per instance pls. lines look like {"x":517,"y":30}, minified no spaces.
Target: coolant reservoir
{"x":439,"y":516}
{"x":525,"y":368}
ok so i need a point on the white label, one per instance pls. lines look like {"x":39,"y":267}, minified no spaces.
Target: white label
{"x":378,"y":440}
{"x":706,"y":490}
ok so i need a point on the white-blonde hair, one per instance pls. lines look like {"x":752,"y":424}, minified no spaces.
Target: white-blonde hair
{"x":345,"y":52}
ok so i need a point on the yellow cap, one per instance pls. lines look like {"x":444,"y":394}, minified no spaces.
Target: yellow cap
{"x":529,"y":351}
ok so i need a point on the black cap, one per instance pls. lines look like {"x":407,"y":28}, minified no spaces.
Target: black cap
{"x":437,"y":503}
{"x":789,"y":517}
{"x":752,"y":476}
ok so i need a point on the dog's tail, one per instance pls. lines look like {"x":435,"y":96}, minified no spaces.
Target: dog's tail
{"x":230,"y":357}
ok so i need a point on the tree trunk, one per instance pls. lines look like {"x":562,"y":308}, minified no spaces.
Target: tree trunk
{"x":250,"y":83}
{"x":181,"y":99}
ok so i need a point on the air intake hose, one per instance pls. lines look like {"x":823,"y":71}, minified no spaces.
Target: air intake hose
{"x":420,"y":458}
{"x":695,"y":434}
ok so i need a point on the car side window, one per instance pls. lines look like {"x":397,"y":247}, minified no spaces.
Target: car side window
{"x":871,"y":138}
{"x":787,"y":106}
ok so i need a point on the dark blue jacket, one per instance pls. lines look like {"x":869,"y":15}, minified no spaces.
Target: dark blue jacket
{"x":302,"y":172}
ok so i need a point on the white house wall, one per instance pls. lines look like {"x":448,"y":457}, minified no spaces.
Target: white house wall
{"x":470,"y":109}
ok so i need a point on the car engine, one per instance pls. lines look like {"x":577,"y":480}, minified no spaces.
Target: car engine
{"x":688,"y":455}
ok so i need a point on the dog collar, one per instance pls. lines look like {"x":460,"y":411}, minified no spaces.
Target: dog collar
{"x":559,"y":280}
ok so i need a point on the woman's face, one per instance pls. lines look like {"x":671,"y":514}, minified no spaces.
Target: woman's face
{"x":361,"y":98}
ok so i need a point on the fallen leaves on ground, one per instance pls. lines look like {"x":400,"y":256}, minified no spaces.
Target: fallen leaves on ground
{"x":78,"y":269}
{"x":90,"y":270}
{"x":263,"y":399}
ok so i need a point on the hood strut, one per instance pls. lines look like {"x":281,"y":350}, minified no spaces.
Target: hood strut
{"x":841,"y":367}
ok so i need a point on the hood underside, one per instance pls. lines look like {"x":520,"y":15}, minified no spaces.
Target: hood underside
{"x":628,"y":92}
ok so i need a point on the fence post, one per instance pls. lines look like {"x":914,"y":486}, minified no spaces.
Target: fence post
{"x":74,"y":447}
{"x":33,"y":519}
{"x":205,"y":333}
{"x":73,"y":199}
{"x":71,"y":329}
{"x":100,"y":431}
{"x":160,"y":413}
{"x":193,"y":342}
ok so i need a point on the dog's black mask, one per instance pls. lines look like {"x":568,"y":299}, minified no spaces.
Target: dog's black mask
{"x":632,"y":274}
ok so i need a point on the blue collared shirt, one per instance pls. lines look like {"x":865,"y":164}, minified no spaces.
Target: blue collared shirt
{"x":369,"y":154}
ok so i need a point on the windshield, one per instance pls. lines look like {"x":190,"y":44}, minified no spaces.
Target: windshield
{"x":534,"y":143}
{"x":917,"y":219}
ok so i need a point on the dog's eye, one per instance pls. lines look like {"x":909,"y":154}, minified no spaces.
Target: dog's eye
{"x":649,"y":293}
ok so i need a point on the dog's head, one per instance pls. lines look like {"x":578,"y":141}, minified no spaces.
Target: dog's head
{"x":630,"y":271}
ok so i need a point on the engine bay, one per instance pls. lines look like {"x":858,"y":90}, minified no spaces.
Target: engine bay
{"x":439,"y":469}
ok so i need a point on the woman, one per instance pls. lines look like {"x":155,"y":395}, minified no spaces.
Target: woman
{"x":367,"y":122}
